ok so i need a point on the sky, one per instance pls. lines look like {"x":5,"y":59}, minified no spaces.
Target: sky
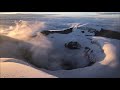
{"x":82,"y":13}
{"x":60,"y":13}
{"x":72,"y":14}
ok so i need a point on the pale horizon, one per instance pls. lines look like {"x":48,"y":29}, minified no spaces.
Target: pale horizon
{"x":71,"y":14}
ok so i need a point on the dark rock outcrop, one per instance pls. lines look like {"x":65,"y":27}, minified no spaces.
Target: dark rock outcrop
{"x":66,"y":31}
{"x":72,"y":45}
{"x":108,"y":34}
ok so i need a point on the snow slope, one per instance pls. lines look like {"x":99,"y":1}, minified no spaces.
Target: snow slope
{"x":13,"y":68}
{"x":48,"y":52}
{"x":109,"y":67}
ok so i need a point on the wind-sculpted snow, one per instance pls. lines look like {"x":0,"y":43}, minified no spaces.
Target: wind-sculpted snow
{"x":15,"y":68}
{"x":23,"y":46}
{"x":109,"y":67}
{"x":44,"y":51}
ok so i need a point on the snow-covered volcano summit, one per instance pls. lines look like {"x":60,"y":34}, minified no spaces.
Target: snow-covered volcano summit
{"x":83,"y":50}
{"x":64,"y":57}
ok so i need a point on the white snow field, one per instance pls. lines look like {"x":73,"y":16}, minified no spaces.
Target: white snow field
{"x":109,"y":67}
{"x":13,"y":68}
{"x":26,"y":52}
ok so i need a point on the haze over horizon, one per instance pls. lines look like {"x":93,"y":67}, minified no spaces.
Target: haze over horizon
{"x":63,"y":13}
{"x":69,"y":14}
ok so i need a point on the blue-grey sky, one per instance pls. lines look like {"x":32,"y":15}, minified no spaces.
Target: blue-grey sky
{"x":71,"y":14}
{"x":82,"y":13}
{"x":62,"y":13}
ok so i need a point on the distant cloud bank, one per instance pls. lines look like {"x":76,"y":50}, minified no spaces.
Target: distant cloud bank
{"x":71,"y":14}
